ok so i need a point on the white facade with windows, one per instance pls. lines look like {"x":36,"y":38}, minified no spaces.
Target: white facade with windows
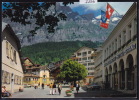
{"x":12,"y":72}
{"x":86,"y":57}
{"x":119,"y":54}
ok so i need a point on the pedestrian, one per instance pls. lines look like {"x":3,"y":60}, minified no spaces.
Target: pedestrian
{"x":59,"y":88}
{"x":5,"y":93}
{"x":72,"y":86}
{"x":51,"y":89}
{"x":54,"y":88}
{"x":77,"y":87}
{"x":39,"y":85}
{"x":35,"y":86}
{"x":42,"y":85}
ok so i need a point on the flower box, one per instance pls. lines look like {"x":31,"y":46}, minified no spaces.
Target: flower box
{"x":68,"y":92}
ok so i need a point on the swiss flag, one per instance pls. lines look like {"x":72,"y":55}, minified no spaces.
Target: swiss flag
{"x":104,"y":25}
{"x":109,"y":11}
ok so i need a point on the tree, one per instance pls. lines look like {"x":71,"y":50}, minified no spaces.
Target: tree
{"x":72,"y":71}
{"x":43,"y":13}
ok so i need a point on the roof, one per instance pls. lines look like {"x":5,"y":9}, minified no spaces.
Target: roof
{"x":82,"y":48}
{"x":12,"y":33}
{"x":4,"y":25}
{"x":25,"y":58}
{"x":44,"y":67}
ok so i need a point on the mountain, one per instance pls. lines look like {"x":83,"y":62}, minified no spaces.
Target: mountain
{"x":44,"y":53}
{"x":77,"y":27}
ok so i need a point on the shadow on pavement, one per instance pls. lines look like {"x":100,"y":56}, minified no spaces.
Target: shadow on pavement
{"x":103,"y":93}
{"x":65,"y":86}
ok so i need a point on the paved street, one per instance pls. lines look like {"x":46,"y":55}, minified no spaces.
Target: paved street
{"x":40,"y":93}
{"x":83,"y":93}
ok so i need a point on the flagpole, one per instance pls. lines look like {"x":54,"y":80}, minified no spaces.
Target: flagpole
{"x":113,"y":8}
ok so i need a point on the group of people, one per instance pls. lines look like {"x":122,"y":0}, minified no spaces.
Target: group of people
{"x":36,"y":86}
{"x":5,"y":93}
{"x":53,"y":88}
{"x":75,"y":85}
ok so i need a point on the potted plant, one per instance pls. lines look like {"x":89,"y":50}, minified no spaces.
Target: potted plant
{"x":71,"y":87}
{"x":68,"y":92}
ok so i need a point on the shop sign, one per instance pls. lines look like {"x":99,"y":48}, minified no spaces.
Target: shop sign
{"x":129,"y":49}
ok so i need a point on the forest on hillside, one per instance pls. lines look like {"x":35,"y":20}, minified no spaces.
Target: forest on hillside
{"x":48,"y":52}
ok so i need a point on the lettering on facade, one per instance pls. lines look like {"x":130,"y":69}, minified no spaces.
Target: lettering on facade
{"x":132,"y":47}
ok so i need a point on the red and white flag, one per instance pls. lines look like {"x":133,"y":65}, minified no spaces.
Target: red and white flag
{"x":109,"y":11}
{"x":105,"y":25}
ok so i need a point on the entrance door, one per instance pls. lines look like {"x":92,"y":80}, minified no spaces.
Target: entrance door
{"x":12,"y":83}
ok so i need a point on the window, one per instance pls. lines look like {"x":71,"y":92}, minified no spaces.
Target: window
{"x":135,"y":21}
{"x":89,"y":58}
{"x":129,"y":27}
{"x":6,"y":78}
{"x":14,"y":57}
{"x":85,"y":64}
{"x":84,"y":58}
{"x":113,"y":47}
{"x":119,"y":40}
{"x":78,"y":54}
{"x":92,"y":57}
{"x":11,"y":52}
{"x":115,"y":44}
{"x":110,"y":49}
{"x":7,"y":48}
{"x":90,"y":64}
{"x":84,"y":53}
{"x":89,"y":52}
{"x":79,"y":59}
{"x":3,"y":76}
{"x":124,"y":36}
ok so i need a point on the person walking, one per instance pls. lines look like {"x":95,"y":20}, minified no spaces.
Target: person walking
{"x":54,"y":88}
{"x":51,"y":89}
{"x":39,"y":85}
{"x":42,"y":85}
{"x":59,"y":88}
{"x":77,"y":87}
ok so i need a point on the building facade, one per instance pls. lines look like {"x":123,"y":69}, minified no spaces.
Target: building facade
{"x":44,"y":75}
{"x":98,"y":70}
{"x":86,"y":57}
{"x":12,"y":72}
{"x":31,"y":72}
{"x":119,"y":54}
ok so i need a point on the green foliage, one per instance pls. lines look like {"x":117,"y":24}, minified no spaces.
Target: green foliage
{"x":44,"y":53}
{"x":24,"y":12}
{"x":72,"y":71}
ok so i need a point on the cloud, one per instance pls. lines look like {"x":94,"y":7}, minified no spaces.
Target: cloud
{"x":120,"y":7}
{"x":98,"y":17}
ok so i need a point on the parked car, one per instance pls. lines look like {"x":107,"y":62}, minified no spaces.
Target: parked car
{"x":27,"y":86}
{"x":93,"y":87}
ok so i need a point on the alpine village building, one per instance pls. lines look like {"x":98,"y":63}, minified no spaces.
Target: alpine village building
{"x":31,"y":72}
{"x":86,"y":57}
{"x":12,"y":72}
{"x":116,"y":62}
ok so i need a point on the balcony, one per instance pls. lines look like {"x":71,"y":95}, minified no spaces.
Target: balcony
{"x":31,"y":75}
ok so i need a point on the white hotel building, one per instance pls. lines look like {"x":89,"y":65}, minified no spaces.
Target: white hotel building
{"x":86,"y":57}
{"x":118,"y":57}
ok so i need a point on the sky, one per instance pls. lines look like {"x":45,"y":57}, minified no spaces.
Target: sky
{"x":120,"y":7}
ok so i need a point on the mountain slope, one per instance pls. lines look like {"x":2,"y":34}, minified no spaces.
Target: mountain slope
{"x":44,"y":53}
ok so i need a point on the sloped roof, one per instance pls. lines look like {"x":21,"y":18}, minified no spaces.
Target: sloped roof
{"x":12,"y":33}
{"x":83,"y":48}
{"x":44,"y":67}
{"x":4,"y":25}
